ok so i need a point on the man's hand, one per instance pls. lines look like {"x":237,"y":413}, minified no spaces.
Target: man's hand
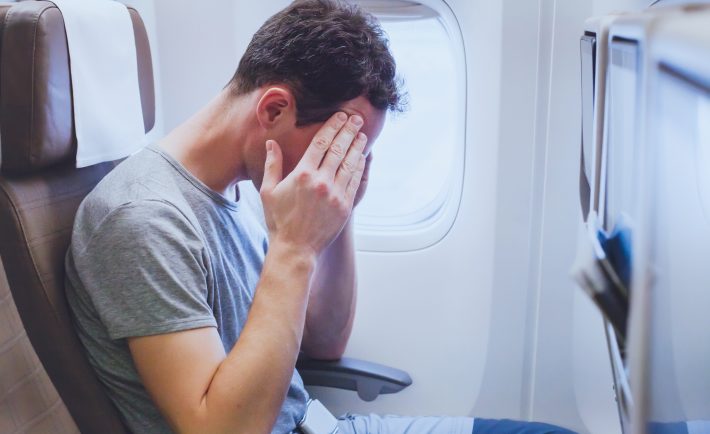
{"x":364,"y":181}
{"x":309,"y":208}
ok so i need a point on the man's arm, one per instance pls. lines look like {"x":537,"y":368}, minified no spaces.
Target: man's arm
{"x":333,"y":298}
{"x":331,"y":308}
{"x":200,"y":389}
{"x":197,"y":387}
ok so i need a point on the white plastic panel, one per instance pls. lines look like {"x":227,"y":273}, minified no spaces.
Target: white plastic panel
{"x":702,"y":162}
{"x":680,"y":234}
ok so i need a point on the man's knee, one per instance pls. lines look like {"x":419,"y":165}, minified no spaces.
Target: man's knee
{"x":507,"y":426}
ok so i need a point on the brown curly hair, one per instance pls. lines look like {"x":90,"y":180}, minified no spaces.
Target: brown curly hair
{"x":328,"y":52}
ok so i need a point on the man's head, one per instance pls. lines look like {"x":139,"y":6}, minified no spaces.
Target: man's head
{"x":311,"y":60}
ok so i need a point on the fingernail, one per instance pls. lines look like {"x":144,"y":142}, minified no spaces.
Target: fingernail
{"x":269,"y":145}
{"x":357,"y":120}
{"x":361,"y":136}
{"x":342,"y":117}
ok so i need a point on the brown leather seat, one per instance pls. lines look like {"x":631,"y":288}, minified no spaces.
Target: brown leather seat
{"x":29,"y":403}
{"x":40,"y":191}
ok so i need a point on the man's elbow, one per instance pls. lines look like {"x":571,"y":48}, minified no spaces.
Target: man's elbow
{"x":249,"y":423}
{"x":325,"y":343}
{"x":335,"y":353}
{"x":325,"y":349}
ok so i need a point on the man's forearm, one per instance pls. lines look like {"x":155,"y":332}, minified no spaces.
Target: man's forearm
{"x":250,"y":384}
{"x":331,"y":307}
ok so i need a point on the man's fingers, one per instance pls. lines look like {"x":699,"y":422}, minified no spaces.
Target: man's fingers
{"x":350,"y":163}
{"x":368,"y":164}
{"x":322,"y":140}
{"x":341,"y":144}
{"x":355,"y":181}
{"x":273,"y":167}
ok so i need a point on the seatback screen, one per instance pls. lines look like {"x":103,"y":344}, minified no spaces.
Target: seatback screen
{"x":621,"y":144}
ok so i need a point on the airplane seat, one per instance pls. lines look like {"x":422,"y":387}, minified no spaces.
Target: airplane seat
{"x":40,"y":191}
{"x":29,"y":402}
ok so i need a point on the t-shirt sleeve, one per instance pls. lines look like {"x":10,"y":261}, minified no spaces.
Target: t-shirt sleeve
{"x":145,"y":271}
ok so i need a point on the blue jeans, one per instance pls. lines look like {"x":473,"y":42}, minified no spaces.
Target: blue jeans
{"x":374,"y":424}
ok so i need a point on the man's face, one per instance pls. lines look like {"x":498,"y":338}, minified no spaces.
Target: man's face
{"x":296,"y":141}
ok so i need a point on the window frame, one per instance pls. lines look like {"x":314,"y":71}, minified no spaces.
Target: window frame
{"x":434,"y":221}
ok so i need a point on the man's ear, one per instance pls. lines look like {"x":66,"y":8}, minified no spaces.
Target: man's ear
{"x":277,"y":105}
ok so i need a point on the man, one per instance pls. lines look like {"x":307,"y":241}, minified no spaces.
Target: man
{"x":192,"y":313}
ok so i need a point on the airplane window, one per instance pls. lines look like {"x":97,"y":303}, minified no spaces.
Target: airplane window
{"x":414,"y":172}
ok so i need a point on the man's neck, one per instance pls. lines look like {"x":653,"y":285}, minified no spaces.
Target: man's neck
{"x":211,"y":144}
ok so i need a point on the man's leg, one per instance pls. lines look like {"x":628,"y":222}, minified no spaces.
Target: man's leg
{"x":506,"y":426}
{"x":374,"y":424}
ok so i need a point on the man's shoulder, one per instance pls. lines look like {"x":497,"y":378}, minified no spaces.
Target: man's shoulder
{"x":139,"y":189}
{"x":144,"y":175}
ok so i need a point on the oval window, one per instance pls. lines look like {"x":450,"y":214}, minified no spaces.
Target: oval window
{"x":415,"y":180}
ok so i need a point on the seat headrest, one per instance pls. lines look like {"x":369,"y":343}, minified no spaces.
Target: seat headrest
{"x":36,"y":115}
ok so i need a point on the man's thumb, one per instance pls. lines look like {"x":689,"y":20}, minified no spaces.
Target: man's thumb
{"x":273,"y":167}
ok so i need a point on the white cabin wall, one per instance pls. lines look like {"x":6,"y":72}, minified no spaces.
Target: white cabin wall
{"x":547,"y":355}
{"x":566,"y":371}
{"x":602,"y":7}
{"x":427,"y":311}
{"x":501,"y":395}
{"x":551,"y":369}
{"x":199,"y":46}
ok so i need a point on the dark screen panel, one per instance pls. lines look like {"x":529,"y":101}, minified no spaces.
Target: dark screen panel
{"x":588,"y":58}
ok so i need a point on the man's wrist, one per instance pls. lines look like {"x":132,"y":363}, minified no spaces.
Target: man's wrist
{"x":343,"y":242}
{"x":300,"y":255}
{"x":347,"y":231}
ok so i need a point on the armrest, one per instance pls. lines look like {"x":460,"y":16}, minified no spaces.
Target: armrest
{"x":368,"y":379}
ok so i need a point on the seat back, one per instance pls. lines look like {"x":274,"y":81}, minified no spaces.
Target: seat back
{"x":28,"y":400}
{"x":40,"y":191}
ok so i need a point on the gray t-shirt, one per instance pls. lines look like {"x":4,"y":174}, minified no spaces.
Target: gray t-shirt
{"x":155,"y":251}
